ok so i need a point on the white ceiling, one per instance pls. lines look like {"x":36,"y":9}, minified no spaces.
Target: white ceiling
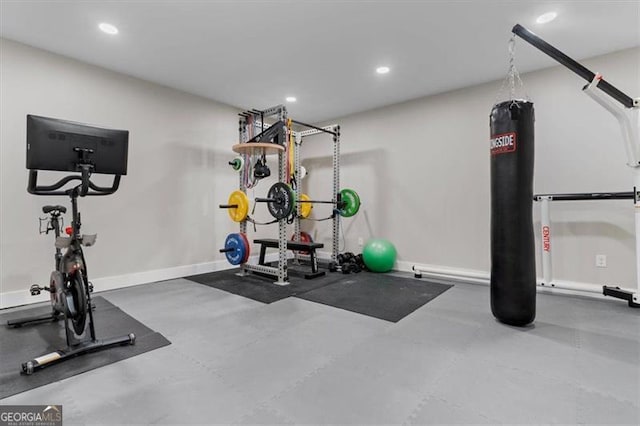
{"x":251,"y":54}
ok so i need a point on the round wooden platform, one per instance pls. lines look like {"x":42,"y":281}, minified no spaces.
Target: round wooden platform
{"x":258,"y":148}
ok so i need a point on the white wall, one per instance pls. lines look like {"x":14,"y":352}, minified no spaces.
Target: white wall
{"x":165,"y":214}
{"x":421,"y":167}
{"x":422,"y":170}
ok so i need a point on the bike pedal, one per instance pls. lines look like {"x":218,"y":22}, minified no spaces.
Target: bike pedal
{"x":35,"y":290}
{"x":90,"y":287}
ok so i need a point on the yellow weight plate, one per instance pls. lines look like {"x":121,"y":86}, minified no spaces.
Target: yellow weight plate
{"x":239,"y":198}
{"x":305,"y":208}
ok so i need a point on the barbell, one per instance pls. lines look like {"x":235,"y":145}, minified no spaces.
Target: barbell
{"x":348,"y":203}
{"x":281,"y":203}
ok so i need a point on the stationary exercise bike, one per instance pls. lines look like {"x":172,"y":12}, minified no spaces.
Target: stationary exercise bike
{"x":69,"y":285}
{"x":62,"y":304}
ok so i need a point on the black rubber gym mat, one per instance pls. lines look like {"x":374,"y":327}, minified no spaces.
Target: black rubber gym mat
{"x":18,"y":345}
{"x":260,"y":288}
{"x":382,"y":296}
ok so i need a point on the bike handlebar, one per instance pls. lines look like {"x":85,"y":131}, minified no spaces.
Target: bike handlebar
{"x":87,"y":188}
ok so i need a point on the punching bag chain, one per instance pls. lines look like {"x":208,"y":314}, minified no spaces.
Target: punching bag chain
{"x":513,"y":76}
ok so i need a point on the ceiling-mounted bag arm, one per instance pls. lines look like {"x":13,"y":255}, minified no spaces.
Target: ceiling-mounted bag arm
{"x":629,"y":120}
{"x":573,"y":65}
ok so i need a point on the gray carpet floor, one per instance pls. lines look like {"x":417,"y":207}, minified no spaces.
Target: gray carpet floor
{"x":234,"y":360}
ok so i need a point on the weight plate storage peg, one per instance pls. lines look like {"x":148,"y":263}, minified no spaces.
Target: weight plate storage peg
{"x":237,"y":164}
{"x":236,"y":248}
{"x":350,"y":202}
{"x":305,"y":208}
{"x":237,"y":206}
{"x":280,"y":200}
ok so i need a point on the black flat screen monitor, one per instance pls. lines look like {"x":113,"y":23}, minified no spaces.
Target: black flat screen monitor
{"x":54,"y":144}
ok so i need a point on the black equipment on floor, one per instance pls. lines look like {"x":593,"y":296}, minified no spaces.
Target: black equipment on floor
{"x":71,"y":147}
{"x":253,"y":286}
{"x":383,"y":296}
{"x":349,"y":262}
{"x":513,"y":269}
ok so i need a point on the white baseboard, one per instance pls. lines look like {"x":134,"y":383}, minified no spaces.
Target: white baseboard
{"x":22,"y":297}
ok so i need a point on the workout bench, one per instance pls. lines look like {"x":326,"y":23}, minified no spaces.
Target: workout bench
{"x":293,"y":245}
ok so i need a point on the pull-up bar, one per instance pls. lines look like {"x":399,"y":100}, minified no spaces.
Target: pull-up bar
{"x":573,"y":65}
{"x":311,"y":126}
{"x":585,"y":196}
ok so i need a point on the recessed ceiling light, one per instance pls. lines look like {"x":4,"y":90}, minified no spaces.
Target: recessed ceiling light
{"x":108,"y":28}
{"x":546,"y":17}
{"x":383,"y":70}
{"x":291,"y":99}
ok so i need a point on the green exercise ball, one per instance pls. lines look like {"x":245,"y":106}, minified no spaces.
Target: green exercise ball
{"x":379,"y":255}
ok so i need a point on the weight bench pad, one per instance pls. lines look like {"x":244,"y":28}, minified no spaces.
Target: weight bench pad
{"x":291,"y":245}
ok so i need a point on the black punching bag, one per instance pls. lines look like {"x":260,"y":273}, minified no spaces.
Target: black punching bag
{"x":513,"y":267}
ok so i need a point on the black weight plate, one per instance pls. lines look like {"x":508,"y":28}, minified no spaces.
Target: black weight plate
{"x":283,"y":203}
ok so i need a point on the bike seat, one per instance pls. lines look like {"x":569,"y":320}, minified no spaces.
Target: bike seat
{"x":49,"y":209}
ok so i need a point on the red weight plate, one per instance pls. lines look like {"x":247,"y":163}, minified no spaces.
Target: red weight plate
{"x":248,"y":248}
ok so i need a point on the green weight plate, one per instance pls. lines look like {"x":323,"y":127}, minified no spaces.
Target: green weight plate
{"x":351,"y":202}
{"x":237,"y":163}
